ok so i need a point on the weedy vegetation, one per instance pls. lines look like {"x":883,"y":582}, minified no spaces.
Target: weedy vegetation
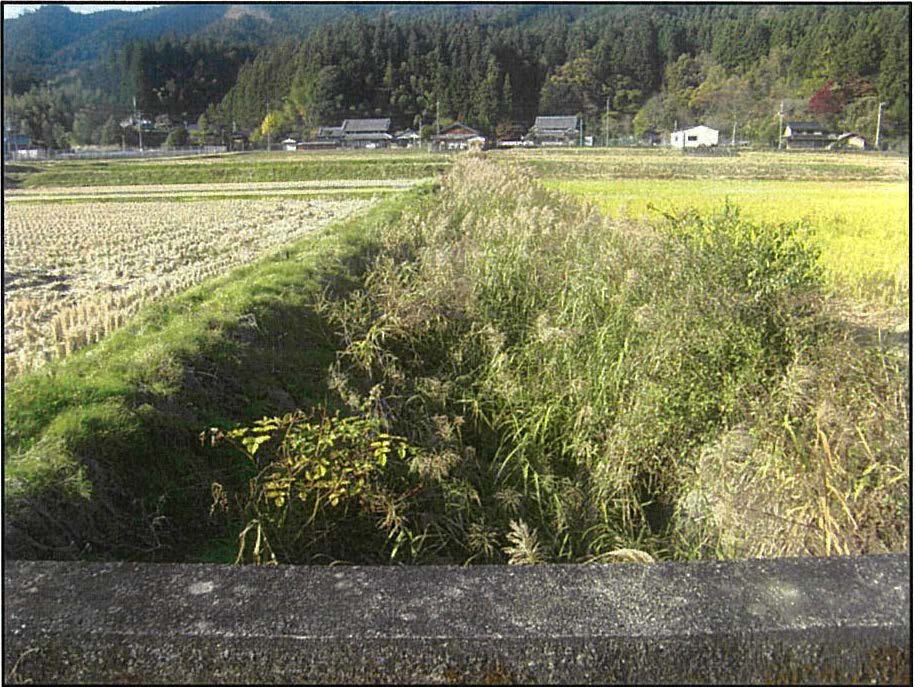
{"x":561,"y":386}
{"x":101,"y":450}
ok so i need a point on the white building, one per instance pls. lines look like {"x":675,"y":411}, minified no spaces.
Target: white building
{"x":694,"y":137}
{"x":289,"y":144}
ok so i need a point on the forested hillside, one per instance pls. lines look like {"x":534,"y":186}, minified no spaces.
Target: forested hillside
{"x":626,"y":68}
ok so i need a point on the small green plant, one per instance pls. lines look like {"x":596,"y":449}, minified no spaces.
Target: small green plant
{"x":315,"y":473}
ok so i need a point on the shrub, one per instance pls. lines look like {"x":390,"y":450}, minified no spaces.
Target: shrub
{"x":177,"y":138}
{"x":323,"y":477}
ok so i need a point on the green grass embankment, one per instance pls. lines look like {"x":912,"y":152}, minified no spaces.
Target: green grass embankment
{"x":102,"y":456}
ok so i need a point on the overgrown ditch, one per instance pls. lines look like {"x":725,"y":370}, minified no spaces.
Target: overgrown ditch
{"x":492,"y":372}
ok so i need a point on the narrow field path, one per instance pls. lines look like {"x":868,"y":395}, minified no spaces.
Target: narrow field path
{"x":191,"y":191}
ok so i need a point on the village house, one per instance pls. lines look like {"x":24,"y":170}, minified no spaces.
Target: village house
{"x":353,"y":133}
{"x":240,"y":140}
{"x":332,"y":135}
{"x":132,"y":123}
{"x":554,"y":131}
{"x":807,"y":135}
{"x":694,"y":137}
{"x":18,"y":147}
{"x":850,"y":140}
{"x":406,"y":139}
{"x":366,"y":133}
{"x":163,"y":122}
{"x":458,"y":136}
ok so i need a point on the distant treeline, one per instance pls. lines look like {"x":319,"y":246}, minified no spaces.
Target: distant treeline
{"x":649,"y":66}
{"x":654,"y":66}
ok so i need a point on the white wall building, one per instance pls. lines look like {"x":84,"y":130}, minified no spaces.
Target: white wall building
{"x":694,"y":137}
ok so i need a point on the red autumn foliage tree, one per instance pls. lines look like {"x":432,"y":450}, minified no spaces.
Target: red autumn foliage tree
{"x":827,"y":101}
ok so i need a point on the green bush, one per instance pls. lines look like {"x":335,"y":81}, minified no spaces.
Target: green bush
{"x":323,"y":477}
{"x":177,"y":138}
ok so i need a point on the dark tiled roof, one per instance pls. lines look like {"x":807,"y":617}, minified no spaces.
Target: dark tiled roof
{"x":363,"y":126}
{"x":470,"y":132}
{"x":551,"y":122}
{"x":806,"y":126}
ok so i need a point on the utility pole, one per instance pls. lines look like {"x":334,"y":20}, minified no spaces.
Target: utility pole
{"x":136,"y":115}
{"x":581,"y":130}
{"x":268,"y":128}
{"x":734,"y":134}
{"x":879,"y":119}
{"x":10,"y":141}
{"x":438,"y":122}
{"x":781,"y":123}
{"x":607,"y":125}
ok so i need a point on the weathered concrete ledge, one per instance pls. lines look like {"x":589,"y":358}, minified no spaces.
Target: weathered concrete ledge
{"x":791,"y":620}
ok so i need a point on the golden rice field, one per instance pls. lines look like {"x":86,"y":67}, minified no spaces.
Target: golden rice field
{"x":862,"y":227}
{"x":72,"y":273}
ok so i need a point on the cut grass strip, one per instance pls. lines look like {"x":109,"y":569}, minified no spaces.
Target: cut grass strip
{"x":317,"y":194}
{"x":242,"y":169}
{"x":210,"y":188}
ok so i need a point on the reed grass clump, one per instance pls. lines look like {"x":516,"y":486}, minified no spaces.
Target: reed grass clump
{"x":564,"y":378}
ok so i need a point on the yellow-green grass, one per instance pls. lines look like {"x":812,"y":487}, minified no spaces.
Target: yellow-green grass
{"x":862,"y":227}
{"x":242,"y":168}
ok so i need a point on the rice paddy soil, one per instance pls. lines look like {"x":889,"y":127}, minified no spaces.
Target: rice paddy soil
{"x":74,"y":273}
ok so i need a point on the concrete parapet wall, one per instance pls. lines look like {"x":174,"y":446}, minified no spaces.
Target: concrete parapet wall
{"x":790,"y":620}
